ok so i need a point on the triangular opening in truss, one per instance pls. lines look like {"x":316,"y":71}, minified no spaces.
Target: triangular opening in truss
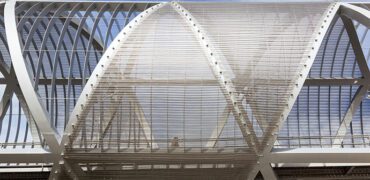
{"x":336,"y":58}
{"x":363,"y":34}
{"x":17,"y":127}
{"x":320,"y":107}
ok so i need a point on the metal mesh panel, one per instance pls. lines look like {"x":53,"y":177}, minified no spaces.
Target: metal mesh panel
{"x":261,"y":46}
{"x":160,"y":90}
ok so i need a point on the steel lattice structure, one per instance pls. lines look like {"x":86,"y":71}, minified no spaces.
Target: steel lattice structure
{"x":140,"y":90}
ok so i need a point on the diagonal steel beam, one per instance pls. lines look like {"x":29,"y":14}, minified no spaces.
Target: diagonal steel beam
{"x":267,"y":172}
{"x":357,"y":13}
{"x":37,"y":109}
{"x":347,"y":119}
{"x":88,"y":91}
{"x":42,"y":52}
{"x":73,"y":170}
{"x":5,"y":101}
{"x":35,"y":133}
{"x":12,"y":88}
{"x":138,"y":111}
{"x":217,"y":131}
{"x":356,"y":45}
{"x":319,"y":36}
{"x":115,"y":105}
{"x":142,"y":120}
{"x":270,"y":135}
{"x":362,"y":90}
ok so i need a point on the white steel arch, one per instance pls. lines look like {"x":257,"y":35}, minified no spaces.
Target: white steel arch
{"x":266,"y":155}
{"x":98,"y":71}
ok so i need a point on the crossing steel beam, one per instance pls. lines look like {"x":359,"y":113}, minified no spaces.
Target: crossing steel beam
{"x":356,"y":13}
{"x":93,"y":81}
{"x":347,"y":119}
{"x":270,"y":134}
{"x":26,"y":85}
{"x":363,"y":66}
{"x":29,"y":98}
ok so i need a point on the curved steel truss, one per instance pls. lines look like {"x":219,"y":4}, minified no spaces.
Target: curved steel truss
{"x":93,"y":89}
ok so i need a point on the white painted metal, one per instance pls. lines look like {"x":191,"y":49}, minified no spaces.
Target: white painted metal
{"x":267,"y":172}
{"x":357,"y":13}
{"x":264,"y":159}
{"x":363,"y":16}
{"x":320,"y":155}
{"x":36,"y":107}
{"x":356,"y":45}
{"x":26,"y":156}
{"x":347,"y":119}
